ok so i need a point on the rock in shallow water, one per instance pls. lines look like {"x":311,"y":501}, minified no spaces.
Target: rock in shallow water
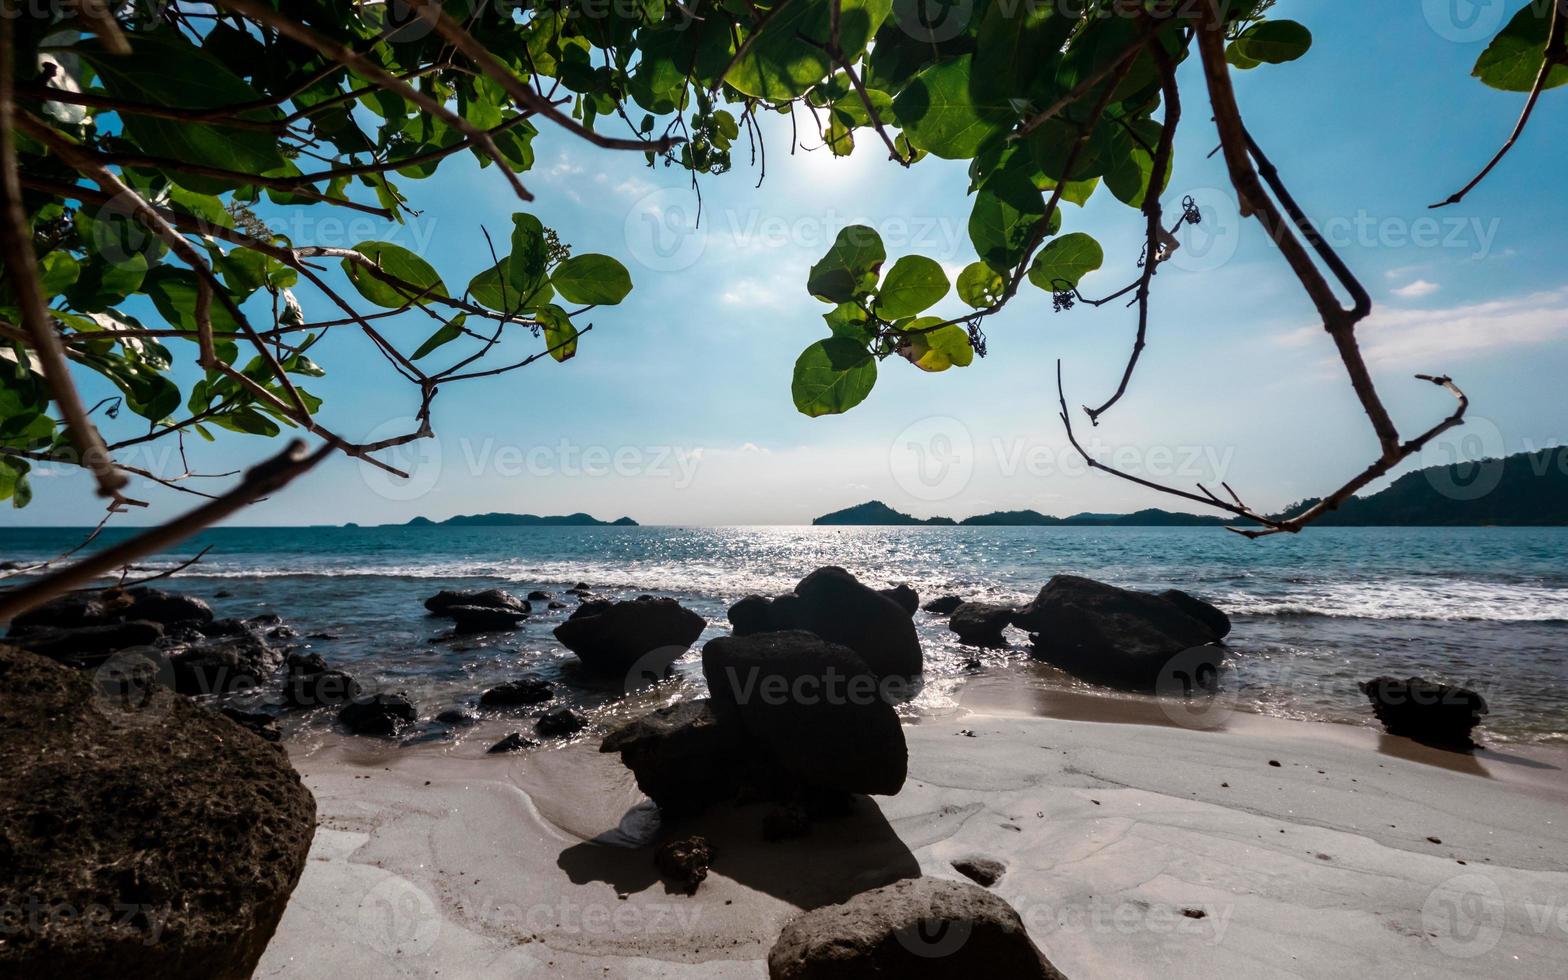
{"x":916,"y":929}
{"x":514,"y":742}
{"x":903,"y":596}
{"x":613,"y":638}
{"x":378,"y":714}
{"x":560,"y":722}
{"x":1426,"y":711}
{"x":1120,"y":637}
{"x":981,"y":624}
{"x":836,"y":606}
{"x":681,"y":758}
{"x":528,"y":689}
{"x":485,"y":619}
{"x":446,"y":599}
{"x":183,"y":834}
{"x":944,"y":606}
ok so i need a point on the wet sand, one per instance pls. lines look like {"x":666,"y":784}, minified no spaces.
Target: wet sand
{"x":1134,"y":846}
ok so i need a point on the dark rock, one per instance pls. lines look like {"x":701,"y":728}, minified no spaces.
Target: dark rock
{"x":681,"y":758}
{"x":613,"y":638}
{"x":583,"y":587}
{"x":1118,"y":637}
{"x":1434,"y":714}
{"x":1209,"y":615}
{"x":222,"y":664}
{"x":439,"y":603}
{"x":457,"y":716}
{"x":915,"y":929}
{"x":905,"y":597}
{"x":685,"y":862}
{"x":74,"y":609}
{"x":981,"y":624}
{"x":282,"y":633}
{"x":225,"y":627}
{"x":833,"y":604}
{"x":309,"y":683}
{"x":262,"y":724}
{"x":579,"y":593}
{"x":786,"y":822}
{"x":560,"y":721}
{"x":321,"y":636}
{"x":556,"y":605}
{"x":538,"y":595}
{"x":378,"y":714}
{"x":223,"y":594}
{"x":167,"y":608}
{"x":86,"y":646}
{"x":514,"y":742}
{"x":485,"y":619}
{"x":528,"y":689}
{"x":815,"y":705}
{"x":944,"y":606}
{"x":264,"y":619}
{"x":188,"y":835}
{"x":982,"y":871}
{"x":751,"y":615}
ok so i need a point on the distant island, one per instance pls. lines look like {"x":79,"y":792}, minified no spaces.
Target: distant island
{"x":520,"y":520}
{"x":1523,"y":490}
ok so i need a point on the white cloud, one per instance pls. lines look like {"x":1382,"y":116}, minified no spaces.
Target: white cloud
{"x":1417,"y":289}
{"x":1435,"y":339}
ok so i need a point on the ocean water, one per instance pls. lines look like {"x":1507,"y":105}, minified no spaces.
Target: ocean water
{"x":1313,"y":613}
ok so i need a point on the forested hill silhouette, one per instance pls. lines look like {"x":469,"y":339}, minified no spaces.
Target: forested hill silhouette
{"x":1523,"y":490}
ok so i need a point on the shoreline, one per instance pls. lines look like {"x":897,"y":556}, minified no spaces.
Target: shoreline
{"x":1117,"y":833}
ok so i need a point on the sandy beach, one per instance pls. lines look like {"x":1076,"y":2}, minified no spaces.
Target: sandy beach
{"x":1134,"y":847}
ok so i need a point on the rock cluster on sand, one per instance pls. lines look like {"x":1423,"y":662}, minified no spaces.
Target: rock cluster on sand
{"x":612,"y":638}
{"x":484,"y":611}
{"x":792,"y":718}
{"x":915,"y":929}
{"x":1426,"y":711}
{"x":170,"y":835}
{"x":1124,"y":638}
{"x":834,"y":605}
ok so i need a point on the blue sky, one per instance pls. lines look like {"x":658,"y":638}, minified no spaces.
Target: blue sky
{"x":677,"y":407}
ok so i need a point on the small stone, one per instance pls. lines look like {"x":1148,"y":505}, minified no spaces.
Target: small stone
{"x":685,"y":861}
{"x":560,"y":721}
{"x":514,"y":742}
{"x":982,"y":871}
{"x":1274,"y":763}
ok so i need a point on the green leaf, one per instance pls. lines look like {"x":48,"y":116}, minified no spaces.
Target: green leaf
{"x":530,"y":258}
{"x":1274,"y":42}
{"x":939,"y":349}
{"x":832,"y":376}
{"x":1513,"y":59}
{"x":850,"y":268}
{"x":592,"y":279}
{"x":1019,"y":44}
{"x":13,"y":481}
{"x":56,"y":271}
{"x":416,"y":277}
{"x":786,"y":59}
{"x":101,"y":284}
{"x":913,"y":285}
{"x":447,"y":333}
{"x":848,"y":320}
{"x":1054,"y":144}
{"x":1065,"y":261}
{"x":938,"y":113}
{"x":1006,"y":211}
{"x":560,"y":335}
{"x":164,"y":68}
{"x":1130,"y":162}
{"x":980,"y":286}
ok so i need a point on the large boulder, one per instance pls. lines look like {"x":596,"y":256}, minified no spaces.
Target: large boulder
{"x":904,"y":596}
{"x":155,"y":838}
{"x":681,"y":757}
{"x":944,"y":605}
{"x":442,"y":601}
{"x":981,"y":624}
{"x":86,"y":646}
{"x":1426,"y":711}
{"x":167,"y":608}
{"x":309,"y":683}
{"x":836,"y":606}
{"x":1117,"y":636}
{"x":1209,"y":615}
{"x":71,"y":610}
{"x":613,"y":637}
{"x":222,"y":664}
{"x":915,"y":929}
{"x":816,"y":706}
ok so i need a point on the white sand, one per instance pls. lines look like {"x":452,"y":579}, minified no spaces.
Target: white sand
{"x":442,"y":861}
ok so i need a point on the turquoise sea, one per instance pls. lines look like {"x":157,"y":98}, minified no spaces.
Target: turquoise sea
{"x":1314,"y":613}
